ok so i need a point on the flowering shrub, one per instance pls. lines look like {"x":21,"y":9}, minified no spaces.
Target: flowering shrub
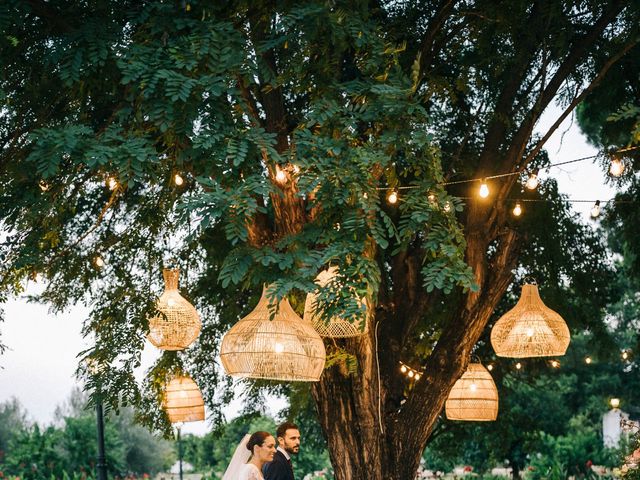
{"x":630,"y":469}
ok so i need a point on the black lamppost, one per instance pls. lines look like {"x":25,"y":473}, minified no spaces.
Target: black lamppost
{"x":180,"y":454}
{"x":101,"y":465}
{"x":101,"y":461}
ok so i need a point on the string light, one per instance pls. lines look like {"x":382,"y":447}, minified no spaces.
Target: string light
{"x":177,"y":179}
{"x":517,"y":210}
{"x":392,"y":198}
{"x":625,"y":355}
{"x":490,"y":367}
{"x":595,"y":210}
{"x":614,"y":402}
{"x":588,"y":360}
{"x":616,"y":168}
{"x":484,"y":189}
{"x":431,"y":198}
{"x":44,"y":186}
{"x":518,"y":366}
{"x":532,"y":181}
{"x":411,"y":373}
{"x":533,"y":175}
{"x":281,"y":177}
{"x":98,"y":261}
{"x":112,"y":183}
{"x":555,"y":363}
{"x":447,"y":206}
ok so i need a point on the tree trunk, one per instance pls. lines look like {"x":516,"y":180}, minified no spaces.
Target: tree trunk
{"x":373,"y":434}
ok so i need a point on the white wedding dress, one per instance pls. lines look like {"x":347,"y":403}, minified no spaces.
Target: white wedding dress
{"x":238,"y":468}
{"x":250,"y":472}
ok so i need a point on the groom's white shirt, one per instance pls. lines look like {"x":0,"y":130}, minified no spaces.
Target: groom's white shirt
{"x":284,"y":452}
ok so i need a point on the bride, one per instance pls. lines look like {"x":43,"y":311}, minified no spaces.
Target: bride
{"x":250,"y":455}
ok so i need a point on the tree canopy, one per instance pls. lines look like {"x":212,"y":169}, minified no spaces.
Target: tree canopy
{"x":289,"y":124}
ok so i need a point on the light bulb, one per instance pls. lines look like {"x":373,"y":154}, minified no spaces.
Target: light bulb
{"x":625,"y":355}
{"x":473,"y":387}
{"x":177,"y":179}
{"x":447,"y":206}
{"x":431,"y":198}
{"x":614,"y":402}
{"x":489,"y":367}
{"x":555,"y":363}
{"x":518,"y":366}
{"x":44,"y":186}
{"x":533,"y":181}
{"x":588,"y":360}
{"x":595,"y":210}
{"x":410,"y":374}
{"x":279,"y":348}
{"x":517,"y":210}
{"x":281,"y":177}
{"x":616,"y":168}
{"x":403,"y":369}
{"x":417,"y":377}
{"x":484,"y":189}
{"x":392,"y":198}
{"x":365,"y":195}
{"x":99,"y":262}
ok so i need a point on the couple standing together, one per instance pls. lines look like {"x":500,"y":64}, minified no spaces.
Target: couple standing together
{"x":257,"y":458}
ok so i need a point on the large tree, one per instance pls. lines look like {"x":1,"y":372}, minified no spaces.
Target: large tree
{"x":290,"y":122}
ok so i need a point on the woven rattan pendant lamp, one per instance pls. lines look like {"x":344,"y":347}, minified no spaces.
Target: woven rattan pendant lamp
{"x":474,"y":397}
{"x":283,"y":348}
{"x":530,"y":329}
{"x":183,"y":401}
{"x":336,"y":327}
{"x":178,"y":324}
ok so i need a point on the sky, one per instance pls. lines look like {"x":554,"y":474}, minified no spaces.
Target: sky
{"x":39,"y":366}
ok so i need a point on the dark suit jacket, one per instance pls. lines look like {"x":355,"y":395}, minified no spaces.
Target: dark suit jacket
{"x":278,"y":469}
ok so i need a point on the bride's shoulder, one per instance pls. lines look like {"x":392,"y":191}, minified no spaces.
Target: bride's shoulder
{"x":250,"y":472}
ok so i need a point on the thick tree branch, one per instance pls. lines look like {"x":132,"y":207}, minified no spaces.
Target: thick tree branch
{"x":581,"y":46}
{"x":414,"y":423}
{"x":427,"y":49}
{"x":595,"y":82}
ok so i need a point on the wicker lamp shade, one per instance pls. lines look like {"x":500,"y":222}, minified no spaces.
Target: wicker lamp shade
{"x":530,"y":329}
{"x":183,"y":401}
{"x":178,"y":324}
{"x":474,"y":397}
{"x":283,"y":348}
{"x":336,"y":327}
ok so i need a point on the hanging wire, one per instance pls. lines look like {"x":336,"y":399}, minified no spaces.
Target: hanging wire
{"x":511,"y":174}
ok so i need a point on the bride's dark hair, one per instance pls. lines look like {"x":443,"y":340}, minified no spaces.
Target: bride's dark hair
{"x":257,"y":438}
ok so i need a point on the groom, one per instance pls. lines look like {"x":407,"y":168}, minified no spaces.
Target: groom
{"x":288,"y":444}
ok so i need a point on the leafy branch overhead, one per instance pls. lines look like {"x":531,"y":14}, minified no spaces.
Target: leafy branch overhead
{"x":289,"y":125}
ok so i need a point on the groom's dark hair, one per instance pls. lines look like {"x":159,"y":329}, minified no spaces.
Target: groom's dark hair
{"x":282,"y":429}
